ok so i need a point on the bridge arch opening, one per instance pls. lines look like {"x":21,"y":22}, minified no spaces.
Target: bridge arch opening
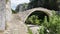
{"x":35,"y":17}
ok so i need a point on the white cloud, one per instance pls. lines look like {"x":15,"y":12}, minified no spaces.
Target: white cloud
{"x":14,"y":3}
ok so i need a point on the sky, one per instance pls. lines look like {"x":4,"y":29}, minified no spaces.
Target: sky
{"x":14,"y":3}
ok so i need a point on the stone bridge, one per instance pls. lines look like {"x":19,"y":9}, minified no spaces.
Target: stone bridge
{"x":24,"y":15}
{"x":16,"y":23}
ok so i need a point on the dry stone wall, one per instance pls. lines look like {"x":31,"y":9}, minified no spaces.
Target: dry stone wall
{"x":2,"y":15}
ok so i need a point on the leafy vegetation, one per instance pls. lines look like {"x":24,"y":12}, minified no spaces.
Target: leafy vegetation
{"x":21,"y":7}
{"x":6,"y":1}
{"x":29,"y":31}
{"x":36,"y":18}
{"x":51,"y":27}
{"x":49,"y":4}
{"x":13,"y":11}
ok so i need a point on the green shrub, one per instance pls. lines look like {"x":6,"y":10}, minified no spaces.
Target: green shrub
{"x":51,"y":27}
{"x":33,"y":20}
{"x":36,"y":18}
{"x":29,"y":31}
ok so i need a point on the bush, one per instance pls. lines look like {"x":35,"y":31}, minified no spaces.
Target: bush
{"x":36,"y":18}
{"x":33,"y":20}
{"x":29,"y":31}
{"x":51,"y":27}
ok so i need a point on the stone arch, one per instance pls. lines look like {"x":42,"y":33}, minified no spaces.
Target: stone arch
{"x":26,"y":13}
{"x":40,"y":15}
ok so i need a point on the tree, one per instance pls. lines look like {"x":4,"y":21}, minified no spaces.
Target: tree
{"x":13,"y":11}
{"x":51,"y":27}
{"x":21,"y":7}
{"x":49,"y":4}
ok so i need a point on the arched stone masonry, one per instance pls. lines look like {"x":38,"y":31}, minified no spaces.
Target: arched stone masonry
{"x":24,"y":15}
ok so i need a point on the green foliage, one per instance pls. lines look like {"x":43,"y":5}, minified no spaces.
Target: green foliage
{"x":21,"y":7}
{"x":41,"y":31}
{"x":13,"y":11}
{"x":33,"y":20}
{"x":36,"y":18}
{"x":49,"y":4}
{"x":51,"y":27}
{"x":29,"y":31}
{"x":6,"y":1}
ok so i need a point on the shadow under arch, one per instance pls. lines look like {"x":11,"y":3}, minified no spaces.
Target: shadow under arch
{"x":41,"y":15}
